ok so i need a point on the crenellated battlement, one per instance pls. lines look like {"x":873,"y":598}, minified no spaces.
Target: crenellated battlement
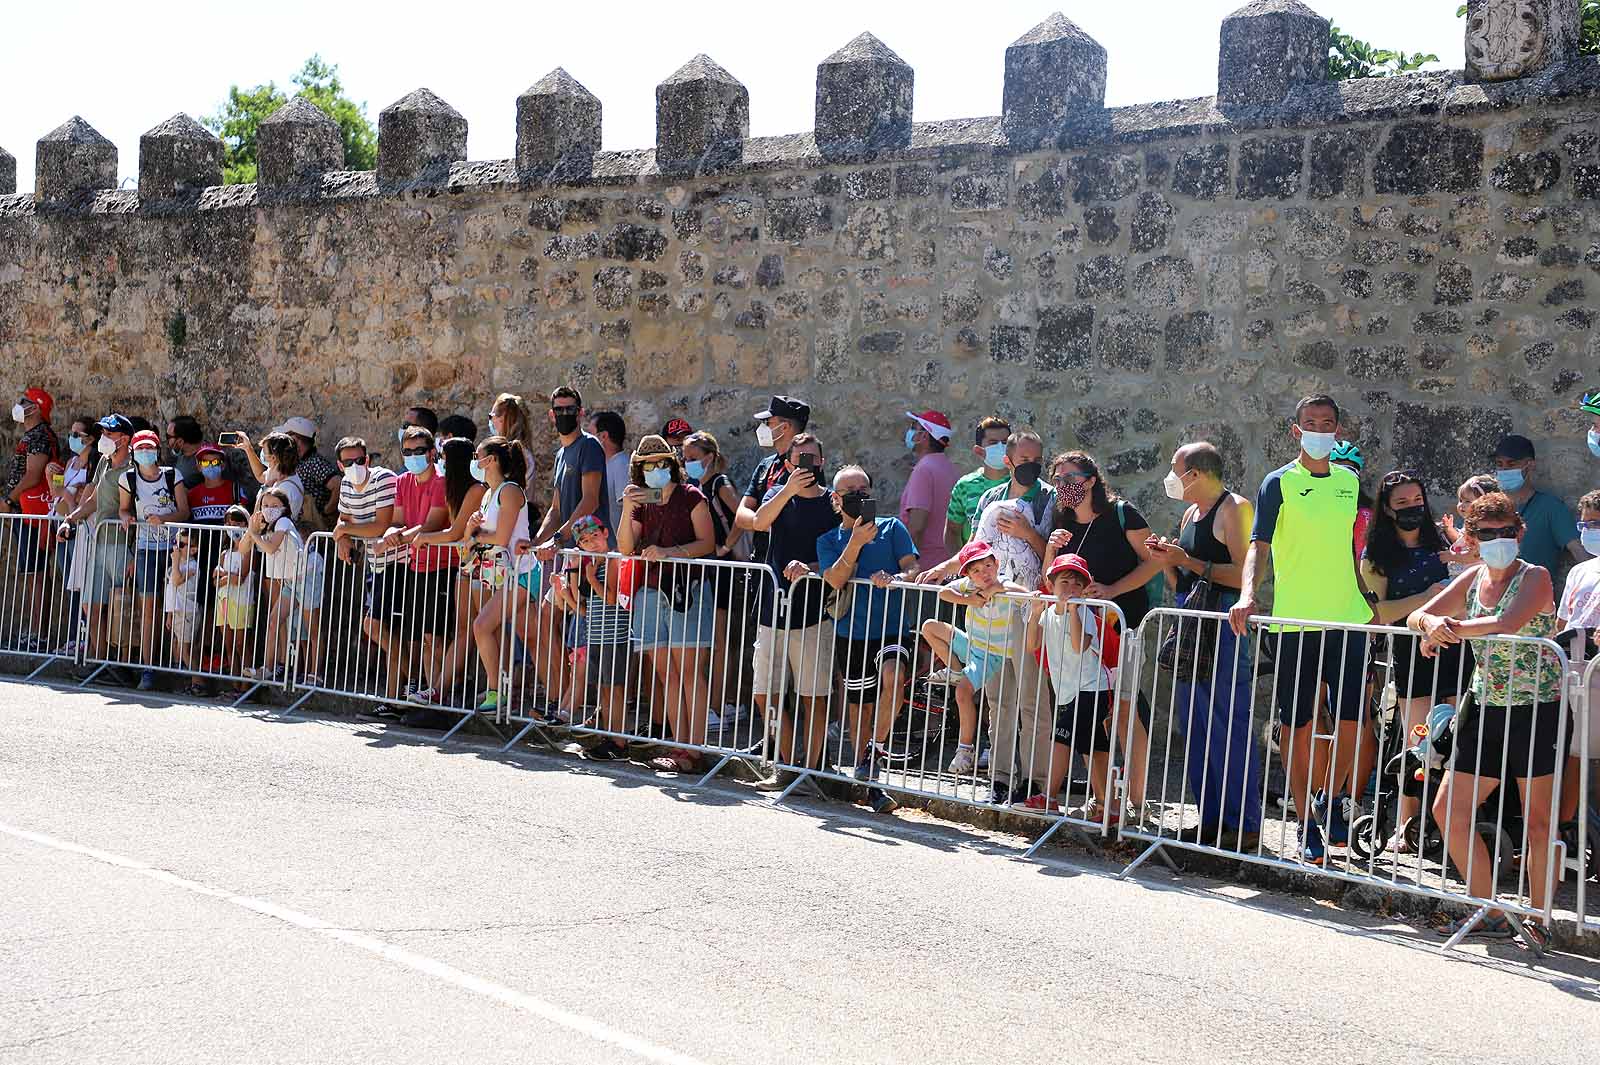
{"x":1272,"y":61}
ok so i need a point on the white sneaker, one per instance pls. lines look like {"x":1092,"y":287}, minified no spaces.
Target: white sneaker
{"x":962,"y":763}
{"x":944,"y":676}
{"x":983,"y":759}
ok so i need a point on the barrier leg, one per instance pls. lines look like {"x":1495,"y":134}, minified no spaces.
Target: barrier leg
{"x":455,"y":728}
{"x":703,"y":781}
{"x":40,"y":668}
{"x":297,"y":704}
{"x":1042,"y":840}
{"x":1466,"y":929}
{"x":245,"y":695}
{"x":531,"y":726}
{"x":87,"y":680}
{"x":1157,"y":850}
{"x":794,"y":785}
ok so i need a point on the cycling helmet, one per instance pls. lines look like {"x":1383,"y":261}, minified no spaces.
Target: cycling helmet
{"x":1590,"y":403}
{"x":1349,"y":453}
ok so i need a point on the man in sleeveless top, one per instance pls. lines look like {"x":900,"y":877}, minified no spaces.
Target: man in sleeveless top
{"x":1305,"y":514}
{"x":1220,"y":760}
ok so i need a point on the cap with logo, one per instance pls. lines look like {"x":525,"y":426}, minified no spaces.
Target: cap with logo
{"x":676,"y":427}
{"x":41,"y":399}
{"x":787,"y":407}
{"x":299,"y":427}
{"x":116,"y":423}
{"x":976,"y":551}
{"x":937,"y":425}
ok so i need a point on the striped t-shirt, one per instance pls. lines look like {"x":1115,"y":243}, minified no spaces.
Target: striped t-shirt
{"x":360,"y":505}
{"x":988,"y":626}
{"x":608,"y":622}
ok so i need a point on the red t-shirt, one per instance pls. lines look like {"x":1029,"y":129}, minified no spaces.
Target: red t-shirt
{"x":413,"y":500}
{"x":209,"y":501}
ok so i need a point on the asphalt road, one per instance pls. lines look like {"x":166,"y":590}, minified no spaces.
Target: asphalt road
{"x":187,"y":883}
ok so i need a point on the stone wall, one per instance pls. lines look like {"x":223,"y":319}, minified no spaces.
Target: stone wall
{"x":1123,"y":280}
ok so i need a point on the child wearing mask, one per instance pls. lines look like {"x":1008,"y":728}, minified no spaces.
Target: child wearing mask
{"x":234,"y":602}
{"x":181,"y":603}
{"x":272,"y":532}
{"x":590,"y":590}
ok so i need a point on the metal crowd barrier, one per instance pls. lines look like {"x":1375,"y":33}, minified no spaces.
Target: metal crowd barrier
{"x":1582,"y":835}
{"x":882,"y":686}
{"x":1221,"y":701}
{"x":38,"y":592}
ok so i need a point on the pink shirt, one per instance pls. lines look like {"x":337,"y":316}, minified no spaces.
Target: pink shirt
{"x":928,"y":490}
{"x":413,"y":500}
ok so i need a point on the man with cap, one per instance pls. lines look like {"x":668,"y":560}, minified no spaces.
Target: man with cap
{"x":783,"y":419}
{"x":1552,"y":530}
{"x":103,"y":505}
{"x":319,"y":476}
{"x":926,"y":496}
{"x":27,"y":491}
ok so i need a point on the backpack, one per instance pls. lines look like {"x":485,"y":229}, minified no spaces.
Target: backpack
{"x":127,"y":485}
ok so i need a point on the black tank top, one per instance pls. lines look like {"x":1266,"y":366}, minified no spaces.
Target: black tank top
{"x":1200,"y":540}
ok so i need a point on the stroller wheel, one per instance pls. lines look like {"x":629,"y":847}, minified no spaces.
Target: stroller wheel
{"x":1365,"y":837}
{"x":1497,"y":840}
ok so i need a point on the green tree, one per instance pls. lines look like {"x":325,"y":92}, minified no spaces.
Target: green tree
{"x":1589,"y":33}
{"x":239,"y":119}
{"x":1350,"y":58}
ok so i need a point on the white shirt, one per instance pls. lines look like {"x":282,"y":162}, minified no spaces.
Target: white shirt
{"x":183,"y":598}
{"x":1580,"y":603}
{"x":1018,"y":561}
{"x":1073,"y":671}
{"x":280,"y":565}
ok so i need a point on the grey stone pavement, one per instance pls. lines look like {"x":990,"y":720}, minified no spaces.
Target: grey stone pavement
{"x":188,"y":883}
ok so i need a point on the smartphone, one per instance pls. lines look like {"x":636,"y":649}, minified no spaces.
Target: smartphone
{"x":652,"y":496}
{"x":808,"y":461}
{"x":869,"y":509}
{"x":230,"y":438}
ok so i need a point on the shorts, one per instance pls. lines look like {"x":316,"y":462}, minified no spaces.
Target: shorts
{"x":306,"y":588}
{"x":977,"y":666}
{"x":230,"y":613}
{"x":386,"y":591}
{"x":1509,"y":742}
{"x":730,"y":586}
{"x":861,"y":663}
{"x":575,"y":633}
{"x":150,"y":571}
{"x":181,"y":623}
{"x":1085,"y":723}
{"x":33,"y":537}
{"x":1305,"y":659}
{"x":431,"y":610}
{"x":532,"y":581}
{"x":611,"y":665}
{"x":1439,"y":678}
{"x":655,"y":624}
{"x":804,"y":666}
{"x":107,"y":573}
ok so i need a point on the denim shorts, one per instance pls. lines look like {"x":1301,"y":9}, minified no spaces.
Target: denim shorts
{"x":977,"y":666}
{"x":150,"y":571}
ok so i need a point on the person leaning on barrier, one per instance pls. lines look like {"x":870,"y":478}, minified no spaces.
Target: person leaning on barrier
{"x":463,"y":494}
{"x":102,"y":504}
{"x":794,"y":647}
{"x":706,"y":466}
{"x":233,"y":613}
{"x":873,"y":646}
{"x":1512,"y":725}
{"x":1405,"y":567}
{"x":279,"y":462}
{"x":1305,"y":514}
{"x":150,"y":496}
{"x":500,"y":521}
{"x":181,"y":607}
{"x":427,"y":619}
{"x":70,"y":484}
{"x":272,"y":533}
{"x":294,"y":459}
{"x":367,"y":500}
{"x":590,"y":587}
{"x":1220,"y":761}
{"x":989,"y":446}
{"x":27,"y":491}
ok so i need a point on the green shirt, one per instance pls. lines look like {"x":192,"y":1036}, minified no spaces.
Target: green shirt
{"x":1309,"y":519}
{"x":963,"y":509}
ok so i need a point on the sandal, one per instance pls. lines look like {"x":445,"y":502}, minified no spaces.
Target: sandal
{"x":1536,"y":935}
{"x":199,"y":689}
{"x":675,"y":763}
{"x":1489,"y":928}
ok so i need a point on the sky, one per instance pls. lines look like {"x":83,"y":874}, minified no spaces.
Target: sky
{"x":125,"y":71}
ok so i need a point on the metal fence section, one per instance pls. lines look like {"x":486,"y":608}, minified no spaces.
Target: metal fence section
{"x":1581,"y":833}
{"x":39,"y":589}
{"x":890,"y":687}
{"x":1341,"y":751}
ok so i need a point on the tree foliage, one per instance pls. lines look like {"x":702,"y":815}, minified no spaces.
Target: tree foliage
{"x":239,"y":119}
{"x":1589,"y":34}
{"x":1350,"y":58}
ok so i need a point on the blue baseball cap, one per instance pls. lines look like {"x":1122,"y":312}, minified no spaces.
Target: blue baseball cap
{"x":116,"y":423}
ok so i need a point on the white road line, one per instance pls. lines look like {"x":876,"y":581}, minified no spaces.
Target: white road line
{"x":549,"y":1011}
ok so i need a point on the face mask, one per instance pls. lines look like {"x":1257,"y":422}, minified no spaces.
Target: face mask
{"x":659,"y":477}
{"x":356,"y":475}
{"x":1411,"y":518}
{"x":18,"y":413}
{"x":1173,"y":484}
{"x":1590,"y":539}
{"x":695,"y":469}
{"x":1072,"y":493}
{"x":106,"y":447}
{"x":994,"y":457}
{"x":212,"y":472}
{"x":266,"y":459}
{"x":1498,"y":554}
{"x":911,"y":439}
{"x":566,"y":424}
{"x":76,"y":445}
{"x":476,"y":469}
{"x":1026,"y":473}
{"x":416,"y":463}
{"x":1318,"y":445}
{"x":1511,"y":480}
{"x":764,"y":435}
{"x":400,"y":434}
{"x":851,"y":502}
{"x":272,"y":514}
{"x":234,"y":534}
{"x":1594,"y":443}
{"x":146,"y":458}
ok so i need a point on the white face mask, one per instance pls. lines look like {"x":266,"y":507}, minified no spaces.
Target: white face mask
{"x":18,"y":412}
{"x":356,"y":475}
{"x":106,"y":446}
{"x":266,"y":460}
{"x":764,"y":435}
{"x":272,"y":514}
{"x":1173,"y":485}
{"x":1318,"y":445}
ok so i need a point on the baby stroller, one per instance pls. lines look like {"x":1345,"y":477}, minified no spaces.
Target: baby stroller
{"x":1411,"y":767}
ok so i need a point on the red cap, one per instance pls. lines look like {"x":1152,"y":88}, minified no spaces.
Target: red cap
{"x":210,"y":449}
{"x":41,"y":399}
{"x":976,"y":551}
{"x":677,"y":427}
{"x":1075,"y":563}
{"x":145,"y":437}
{"x":937,"y":424}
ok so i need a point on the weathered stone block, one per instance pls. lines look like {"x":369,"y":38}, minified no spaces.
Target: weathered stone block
{"x":1509,"y":39}
{"x":177,"y":158}
{"x":1268,"y":48}
{"x":1339,"y":163}
{"x":419,"y":136}
{"x":864,"y":94}
{"x":1103,"y":277}
{"x":1128,"y":341}
{"x":1202,"y":173}
{"x":1453,"y":285}
{"x":1165,"y":282}
{"x":1270,"y":168}
{"x":1065,"y":338}
{"x":72,"y":159}
{"x":296,"y":145}
{"x":8,"y":173}
{"x":1527,"y":173}
{"x":1192,"y":342}
{"x":702,"y":118}
{"x":1423,"y":157}
{"x":1151,"y":227}
{"x":558,"y":125}
{"x":1054,"y":73}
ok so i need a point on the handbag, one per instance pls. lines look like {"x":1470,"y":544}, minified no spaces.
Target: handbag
{"x":1189,"y":650}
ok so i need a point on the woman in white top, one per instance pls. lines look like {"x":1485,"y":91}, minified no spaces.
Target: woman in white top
{"x":280,"y":455}
{"x":500,"y":521}
{"x":68,"y":483}
{"x":463,"y":495}
{"x":272,"y":532}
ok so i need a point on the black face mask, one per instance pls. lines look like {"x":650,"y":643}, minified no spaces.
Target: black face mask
{"x":566,"y":424}
{"x":850,"y":503}
{"x":1411,"y":518}
{"x":1027,"y":473}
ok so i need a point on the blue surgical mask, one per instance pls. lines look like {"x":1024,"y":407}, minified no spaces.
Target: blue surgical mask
{"x":476,"y":470}
{"x":77,"y":445}
{"x":1591,"y":540}
{"x":659,"y":477}
{"x":1594,"y":442}
{"x":1318,"y":445}
{"x":147,"y":457}
{"x":1511,"y":480}
{"x":911,"y":439}
{"x":1498,"y":554}
{"x":211,"y":472}
{"x":416,"y":463}
{"x":994,"y":456}
{"x":695,"y":469}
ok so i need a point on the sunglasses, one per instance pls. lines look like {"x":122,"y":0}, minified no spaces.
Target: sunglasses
{"x":1072,"y":478}
{"x":413,"y":451}
{"x":1399,"y":477}
{"x":648,"y":466}
{"x":563,"y":410}
{"x":1485,"y":533}
{"x":347,"y":463}
{"x":1588,"y":526}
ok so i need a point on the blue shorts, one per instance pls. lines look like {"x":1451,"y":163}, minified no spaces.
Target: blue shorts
{"x":149,"y":570}
{"x":977,"y":666}
{"x":32,"y":537}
